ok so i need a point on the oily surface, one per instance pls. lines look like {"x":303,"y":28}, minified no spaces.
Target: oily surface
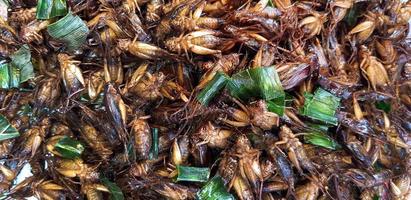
{"x":274,"y":99}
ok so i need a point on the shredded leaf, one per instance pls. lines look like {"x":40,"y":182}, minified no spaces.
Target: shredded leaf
{"x":154,"y":147}
{"x":214,"y":189}
{"x":260,"y":82}
{"x":386,"y":107}
{"x":7,"y":131}
{"x":322,"y":140}
{"x":115,"y":190}
{"x":321,"y":106}
{"x":270,"y":3}
{"x":212,"y":88}
{"x":47,"y":9}
{"x":193,"y":174}
{"x":19,"y":70}
{"x":70,"y":29}
{"x":318,"y":127}
{"x":276,"y":105}
{"x":352,"y":15}
{"x":4,"y":75}
{"x":69,"y":148}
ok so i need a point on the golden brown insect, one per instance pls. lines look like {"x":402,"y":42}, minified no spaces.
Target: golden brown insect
{"x":116,"y":110}
{"x":142,"y":50}
{"x":386,"y":51}
{"x":213,"y":136}
{"x":274,"y":186}
{"x":23,"y":16}
{"x":6,"y":178}
{"x":364,"y":29}
{"x":113,"y":70}
{"x":47,"y":189}
{"x":202,"y":42}
{"x":401,"y":187}
{"x":249,"y":163}
{"x":33,"y":138}
{"x":313,"y":24}
{"x":95,"y":84}
{"x":255,"y":114}
{"x":180,"y":151}
{"x":71,"y":73}
{"x":242,"y":188}
{"x":295,"y":150}
{"x":195,"y":22}
{"x":144,"y":167}
{"x":31,"y":31}
{"x":308,"y":191}
{"x":364,"y":179}
{"x":228,"y":168}
{"x":173,"y":191}
{"x":140,"y":130}
{"x":148,"y":86}
{"x":154,"y":9}
{"x":339,"y":9}
{"x":92,"y":190}
{"x":227,"y":64}
{"x":373,"y":70}
{"x":95,"y":141}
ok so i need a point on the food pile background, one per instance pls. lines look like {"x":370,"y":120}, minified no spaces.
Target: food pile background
{"x":196,"y":99}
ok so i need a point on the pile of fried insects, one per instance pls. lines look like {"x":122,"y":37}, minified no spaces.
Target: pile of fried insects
{"x":205,"y":99}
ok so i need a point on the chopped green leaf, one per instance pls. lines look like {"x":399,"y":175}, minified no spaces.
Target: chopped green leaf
{"x":193,"y":174}
{"x":318,"y":127}
{"x":376,"y":197}
{"x":154,"y":146}
{"x":261,"y":82}
{"x":7,"y":131}
{"x":70,"y":29}
{"x":386,"y":107}
{"x":352,"y":16}
{"x":322,"y":140}
{"x":115,"y":190}
{"x":69,"y":148}
{"x":270,"y":3}
{"x":214,"y":189}
{"x":242,"y":86}
{"x":212,"y":88}
{"x":276,"y":105}
{"x":4,"y":75}
{"x":47,"y":9}
{"x":21,"y":60}
{"x":19,"y":70}
{"x":321,"y":106}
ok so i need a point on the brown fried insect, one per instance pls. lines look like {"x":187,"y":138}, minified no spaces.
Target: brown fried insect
{"x":142,"y":50}
{"x":296,"y":152}
{"x":71,"y":74}
{"x":213,"y":136}
{"x":202,"y":42}
{"x":255,"y":115}
{"x":140,"y":130}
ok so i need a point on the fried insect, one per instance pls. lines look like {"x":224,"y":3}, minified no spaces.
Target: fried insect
{"x":140,"y":130}
{"x":31,"y":31}
{"x":71,"y":74}
{"x":296,"y":152}
{"x":202,"y":42}
{"x":142,"y":50}
{"x":213,"y":136}
{"x":255,"y":115}
{"x":116,"y":110}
